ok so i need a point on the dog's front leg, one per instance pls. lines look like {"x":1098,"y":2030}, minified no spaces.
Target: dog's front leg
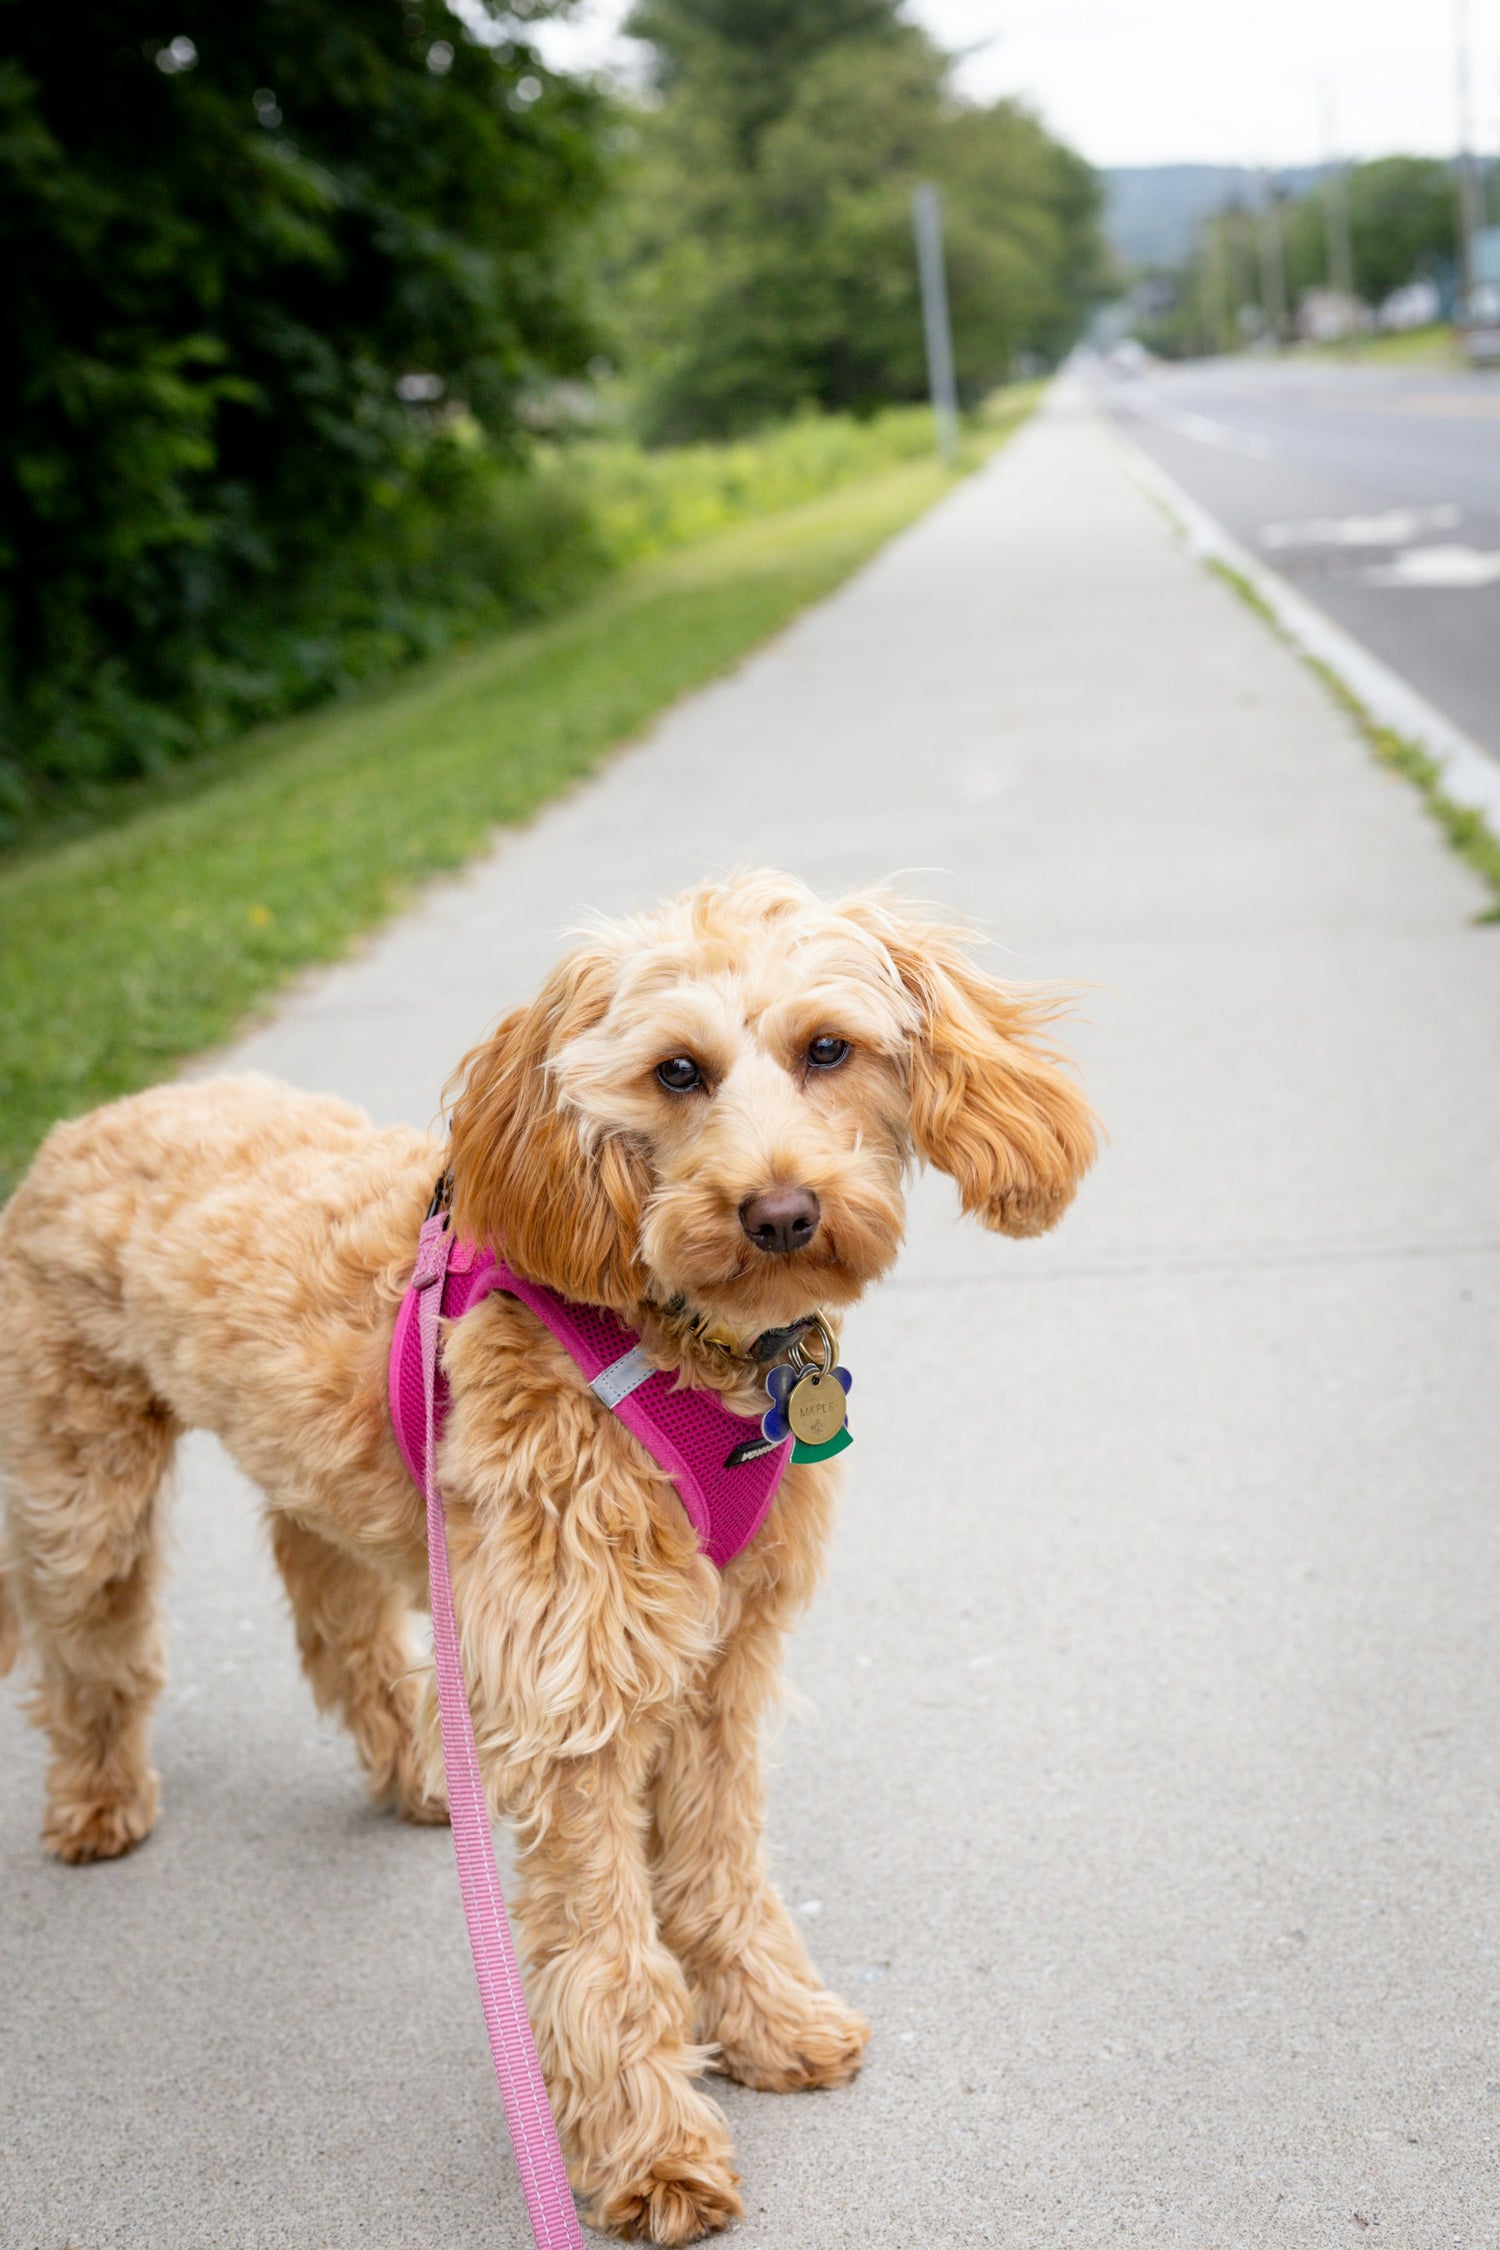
{"x":612,"y":2012}
{"x":757,"y":1996}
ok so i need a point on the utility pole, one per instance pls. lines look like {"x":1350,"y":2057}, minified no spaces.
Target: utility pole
{"x":1203,"y":307}
{"x":1467,"y":181}
{"x":1272,"y":261}
{"x":927,"y":220}
{"x":1237,"y":288}
{"x":1336,"y":203}
{"x":1218,"y":249}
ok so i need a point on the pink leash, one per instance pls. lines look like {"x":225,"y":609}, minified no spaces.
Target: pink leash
{"x":544,"y":2180}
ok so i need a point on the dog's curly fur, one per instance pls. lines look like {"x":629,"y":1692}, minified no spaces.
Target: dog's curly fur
{"x":229,"y":1255}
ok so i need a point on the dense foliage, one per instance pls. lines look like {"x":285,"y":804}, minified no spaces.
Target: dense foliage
{"x":255,"y":258}
{"x":293,"y":285}
{"x":1400,"y":214}
{"x":764,"y":263}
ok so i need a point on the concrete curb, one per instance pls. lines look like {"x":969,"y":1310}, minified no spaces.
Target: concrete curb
{"x":1470,"y":776}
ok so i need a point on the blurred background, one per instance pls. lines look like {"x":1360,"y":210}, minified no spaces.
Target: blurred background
{"x":350,"y":338}
{"x":298,"y":293}
{"x":304,"y":296}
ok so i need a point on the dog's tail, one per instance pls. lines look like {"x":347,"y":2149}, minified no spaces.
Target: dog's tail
{"x":10,"y":1631}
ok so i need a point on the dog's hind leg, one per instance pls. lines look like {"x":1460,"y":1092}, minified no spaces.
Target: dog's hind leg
{"x":85,"y":1461}
{"x":354,"y":1636}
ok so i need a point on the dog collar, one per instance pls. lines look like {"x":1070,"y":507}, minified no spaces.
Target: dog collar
{"x":727,"y":1467}
{"x":761,"y":1349}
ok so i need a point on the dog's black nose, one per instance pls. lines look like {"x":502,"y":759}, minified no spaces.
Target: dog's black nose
{"x":782,"y":1218}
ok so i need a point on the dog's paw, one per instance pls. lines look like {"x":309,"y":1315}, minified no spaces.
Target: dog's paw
{"x":679,"y":2200}
{"x":404,"y":1782}
{"x":789,"y":2042}
{"x":79,"y":1830}
{"x":420,"y":1807}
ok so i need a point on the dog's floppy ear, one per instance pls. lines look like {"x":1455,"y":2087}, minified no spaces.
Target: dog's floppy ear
{"x":528,"y":1178}
{"x":992,"y":1101}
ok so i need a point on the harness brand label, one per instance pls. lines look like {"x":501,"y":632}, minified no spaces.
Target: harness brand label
{"x":751,"y":1450}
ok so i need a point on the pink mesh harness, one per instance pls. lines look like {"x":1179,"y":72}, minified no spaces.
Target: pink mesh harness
{"x":725,"y":1474}
{"x":691,"y":1434}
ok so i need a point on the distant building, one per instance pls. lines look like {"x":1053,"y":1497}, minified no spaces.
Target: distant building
{"x":1417,"y":305}
{"x":1327,"y":316}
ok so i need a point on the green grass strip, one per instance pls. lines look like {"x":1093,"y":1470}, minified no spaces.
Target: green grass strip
{"x":1467,"y":831}
{"x":125,"y":951}
{"x":1437,"y":348}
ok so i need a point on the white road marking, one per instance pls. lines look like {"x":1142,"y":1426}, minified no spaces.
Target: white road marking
{"x":1205,"y":431}
{"x":1470,"y":776}
{"x":1436,"y":566}
{"x":1482,"y":405}
{"x":1395,"y":528}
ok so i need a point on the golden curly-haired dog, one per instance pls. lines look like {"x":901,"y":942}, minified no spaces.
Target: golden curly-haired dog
{"x":704,"y":1121}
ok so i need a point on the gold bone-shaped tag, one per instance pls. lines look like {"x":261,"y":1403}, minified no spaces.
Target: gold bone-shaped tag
{"x":817,"y":1409}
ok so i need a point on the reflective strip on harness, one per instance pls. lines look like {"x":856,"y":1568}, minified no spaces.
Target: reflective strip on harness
{"x":621,"y":1377}
{"x":726,"y":1492}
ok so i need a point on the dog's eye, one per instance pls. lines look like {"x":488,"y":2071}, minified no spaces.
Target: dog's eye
{"x":827,"y":1053}
{"x":679,"y":1074}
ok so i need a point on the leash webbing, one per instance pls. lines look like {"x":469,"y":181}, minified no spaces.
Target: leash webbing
{"x":544,"y":2180}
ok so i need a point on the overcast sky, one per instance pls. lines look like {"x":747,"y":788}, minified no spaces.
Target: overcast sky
{"x":1159,"y":81}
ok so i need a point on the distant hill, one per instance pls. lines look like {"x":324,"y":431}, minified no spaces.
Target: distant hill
{"x":1153,"y":211}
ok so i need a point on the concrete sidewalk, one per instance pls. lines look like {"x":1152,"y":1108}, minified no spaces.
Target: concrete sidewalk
{"x":1150,"y":1796}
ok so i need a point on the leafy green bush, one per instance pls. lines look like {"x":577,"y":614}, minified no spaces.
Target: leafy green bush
{"x":247,"y":270}
{"x":642,"y":503}
{"x":475,"y":543}
{"x":289,"y":289}
{"x":465,"y":544}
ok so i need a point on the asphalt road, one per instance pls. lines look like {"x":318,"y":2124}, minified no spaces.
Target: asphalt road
{"x":1376,"y":492}
{"x":1145,"y":1789}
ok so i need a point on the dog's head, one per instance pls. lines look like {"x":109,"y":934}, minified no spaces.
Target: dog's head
{"x":718,"y":1104}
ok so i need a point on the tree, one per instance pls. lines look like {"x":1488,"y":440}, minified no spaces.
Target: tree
{"x":767,"y":260}
{"x":243,"y":266}
{"x":744,"y":57}
{"x":1402,"y":225}
{"x":1402,"y":219}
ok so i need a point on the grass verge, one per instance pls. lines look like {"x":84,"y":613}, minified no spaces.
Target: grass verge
{"x":1435,"y":347}
{"x":124,"y":951}
{"x":1467,"y":831}
{"x":505,"y":550}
